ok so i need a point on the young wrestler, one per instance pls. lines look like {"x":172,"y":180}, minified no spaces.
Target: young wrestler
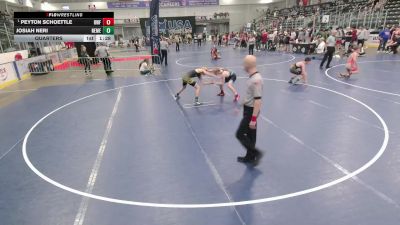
{"x":299,"y":71}
{"x":214,"y":53}
{"x":228,"y":77}
{"x":351,"y":65}
{"x":189,"y":77}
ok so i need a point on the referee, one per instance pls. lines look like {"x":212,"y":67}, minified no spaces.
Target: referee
{"x":104,"y":55}
{"x":330,"y":50}
{"x":247,"y":131}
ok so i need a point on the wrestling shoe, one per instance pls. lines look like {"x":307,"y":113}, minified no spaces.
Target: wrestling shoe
{"x":236,"y":99}
{"x":244,"y":159}
{"x":258,"y":157}
{"x":221,"y":94}
{"x":197,"y":103}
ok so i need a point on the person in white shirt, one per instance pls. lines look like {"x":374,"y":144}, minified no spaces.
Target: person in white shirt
{"x":362,"y":36}
{"x":367,"y":33}
{"x":144,"y":68}
{"x":164,"y":51}
{"x":321,"y":47}
{"x":177,"y":41}
{"x":252,"y":42}
{"x":292,"y":40}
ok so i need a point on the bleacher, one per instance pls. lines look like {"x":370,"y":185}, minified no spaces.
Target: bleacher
{"x":6,"y":32}
{"x":342,"y":13}
{"x":393,"y":12}
{"x":6,"y":40}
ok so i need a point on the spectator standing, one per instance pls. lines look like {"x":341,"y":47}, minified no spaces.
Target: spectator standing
{"x":164,"y":51}
{"x":292,"y":40}
{"x":199,"y":38}
{"x":354,"y":35}
{"x":219,"y":39}
{"x":136,"y":44}
{"x":251,"y":41}
{"x":264,"y":39}
{"x":308,"y":36}
{"x":258,"y":41}
{"x":293,"y":35}
{"x":321,"y":48}
{"x":85,"y":60}
{"x":243,"y":40}
{"x":286,"y":40}
{"x":384,"y":36}
{"x":347,"y":40}
{"x":339,"y":38}
{"x":176,"y":38}
{"x":302,"y":36}
{"x":190,"y":38}
{"x":362,"y":37}
{"x":367,"y":33}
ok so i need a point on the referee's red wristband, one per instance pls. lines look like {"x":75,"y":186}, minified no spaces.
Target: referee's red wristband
{"x":254,"y":119}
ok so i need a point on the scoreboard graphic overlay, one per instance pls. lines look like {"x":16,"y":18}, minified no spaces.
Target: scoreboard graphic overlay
{"x":63,"y":26}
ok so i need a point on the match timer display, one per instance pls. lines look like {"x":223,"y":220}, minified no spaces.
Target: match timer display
{"x":63,"y":26}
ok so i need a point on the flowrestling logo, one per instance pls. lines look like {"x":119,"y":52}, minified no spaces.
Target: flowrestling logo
{"x":3,"y":74}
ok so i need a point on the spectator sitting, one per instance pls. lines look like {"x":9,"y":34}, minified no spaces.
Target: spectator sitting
{"x":144,"y":68}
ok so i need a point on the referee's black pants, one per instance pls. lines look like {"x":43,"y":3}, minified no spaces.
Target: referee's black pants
{"x":251,"y":49}
{"x":330,"y":50}
{"x":106,"y":64}
{"x":246,"y":136}
{"x":164,"y":56}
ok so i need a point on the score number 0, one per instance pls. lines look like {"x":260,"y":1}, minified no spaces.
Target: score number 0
{"x":108,"y":25}
{"x":108,"y":21}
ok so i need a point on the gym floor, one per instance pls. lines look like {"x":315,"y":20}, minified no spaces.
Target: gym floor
{"x":123,"y":151}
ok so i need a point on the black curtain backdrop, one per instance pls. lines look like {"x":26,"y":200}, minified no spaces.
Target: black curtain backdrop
{"x":154,"y":29}
{"x":171,"y":25}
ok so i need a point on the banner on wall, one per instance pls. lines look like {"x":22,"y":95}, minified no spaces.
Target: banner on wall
{"x":154,"y":28}
{"x":163,"y":4}
{"x":171,"y":25}
{"x":373,"y":40}
{"x":7,"y":73}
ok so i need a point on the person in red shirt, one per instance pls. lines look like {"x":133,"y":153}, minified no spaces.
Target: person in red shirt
{"x":264,"y":39}
{"x":354,"y":35}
